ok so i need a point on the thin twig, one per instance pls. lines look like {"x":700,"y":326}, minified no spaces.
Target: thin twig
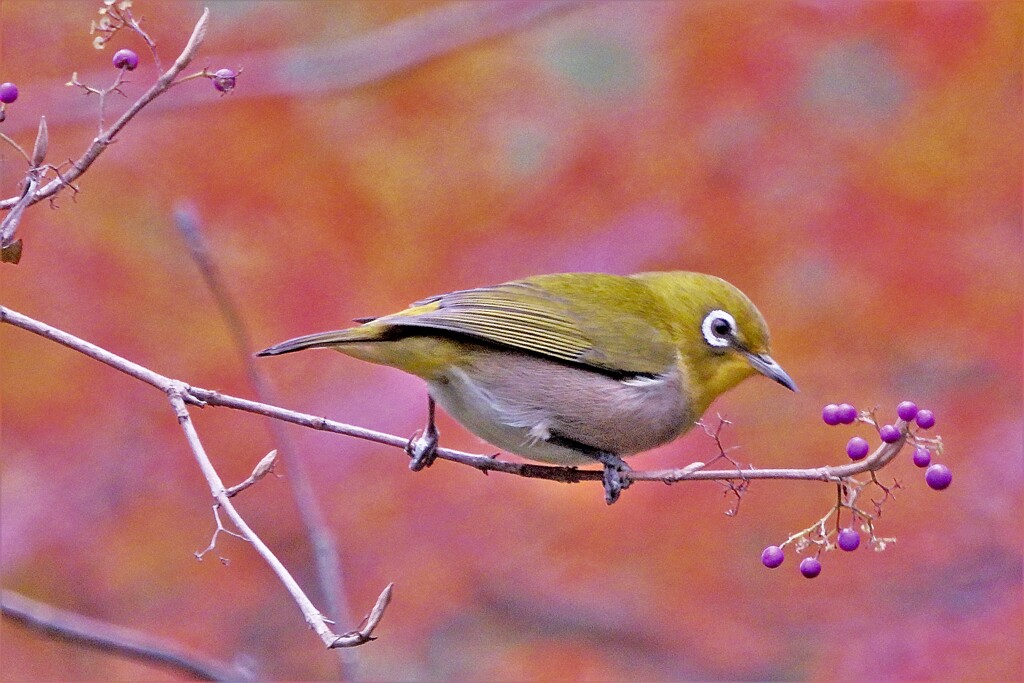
{"x":221,"y":529}
{"x":82,"y":630}
{"x":16,"y":146}
{"x":177,"y":392}
{"x":324,"y":546}
{"x":103,"y":140}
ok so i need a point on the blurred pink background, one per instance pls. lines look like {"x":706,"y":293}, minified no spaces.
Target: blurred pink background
{"x":855,"y":168}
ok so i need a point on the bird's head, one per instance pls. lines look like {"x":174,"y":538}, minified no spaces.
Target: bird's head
{"x":721,"y":336}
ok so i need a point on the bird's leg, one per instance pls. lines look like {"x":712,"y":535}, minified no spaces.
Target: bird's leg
{"x":613,"y":481}
{"x":614,"y":466}
{"x":422,"y":448}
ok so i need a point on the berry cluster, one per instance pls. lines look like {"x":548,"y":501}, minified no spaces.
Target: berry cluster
{"x":848,"y":539}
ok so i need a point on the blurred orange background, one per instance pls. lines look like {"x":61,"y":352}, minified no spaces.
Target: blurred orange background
{"x":855,"y":168}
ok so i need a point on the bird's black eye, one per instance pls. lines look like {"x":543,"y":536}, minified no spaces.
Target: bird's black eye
{"x":718,"y":328}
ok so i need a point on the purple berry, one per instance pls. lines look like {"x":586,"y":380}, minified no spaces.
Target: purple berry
{"x":849,"y":539}
{"x":810,"y":567}
{"x":830,"y":414}
{"x":8,"y":92}
{"x":224,"y":79}
{"x":889,"y":433}
{"x":846,"y":413}
{"x":126,"y":59}
{"x":907,"y":410}
{"x":938,"y":477}
{"x":925,"y":419}
{"x":922,"y":458}
{"x":772,"y":556}
{"x":857,"y":448}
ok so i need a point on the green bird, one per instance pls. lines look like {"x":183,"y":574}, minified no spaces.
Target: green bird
{"x":570,"y":368}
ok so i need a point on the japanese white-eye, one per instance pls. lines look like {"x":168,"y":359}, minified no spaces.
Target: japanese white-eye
{"x":570,"y":368}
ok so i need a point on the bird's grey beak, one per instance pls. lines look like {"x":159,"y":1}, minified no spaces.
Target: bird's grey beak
{"x":767,"y":366}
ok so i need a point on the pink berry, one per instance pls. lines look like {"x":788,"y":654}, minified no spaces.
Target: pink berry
{"x":810,"y":567}
{"x":925,"y":419}
{"x":126,"y":59}
{"x":8,"y":92}
{"x":848,"y":539}
{"x":772,"y":556}
{"x":889,"y":433}
{"x":224,"y":79}
{"x":938,"y":477}
{"x":857,"y":448}
{"x":907,"y":411}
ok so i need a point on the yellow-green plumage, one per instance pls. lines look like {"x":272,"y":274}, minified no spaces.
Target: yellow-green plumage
{"x":556,"y":367}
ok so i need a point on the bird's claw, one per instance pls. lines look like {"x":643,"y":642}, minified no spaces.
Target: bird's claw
{"x":422,"y":448}
{"x":614,"y":484}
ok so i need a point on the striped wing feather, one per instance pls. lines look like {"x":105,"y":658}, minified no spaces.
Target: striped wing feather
{"x":602,"y":321}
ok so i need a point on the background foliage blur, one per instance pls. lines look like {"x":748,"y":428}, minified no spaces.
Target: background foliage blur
{"x":854,"y":167}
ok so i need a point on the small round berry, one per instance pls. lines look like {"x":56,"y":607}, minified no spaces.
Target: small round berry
{"x":772,"y":556}
{"x":126,"y":59}
{"x":925,"y":419}
{"x":857,"y":448}
{"x":938,"y":477}
{"x":8,"y":92}
{"x":889,"y":433}
{"x":848,"y":539}
{"x":810,"y":567}
{"x":224,"y":79}
{"x":846,"y":413}
{"x":922,"y":458}
{"x":830,"y":414}
{"x":907,"y":410}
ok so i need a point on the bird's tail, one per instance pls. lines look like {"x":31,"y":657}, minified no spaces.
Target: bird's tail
{"x":363,"y":333}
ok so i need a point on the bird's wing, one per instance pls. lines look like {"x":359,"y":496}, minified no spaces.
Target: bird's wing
{"x":602,"y":321}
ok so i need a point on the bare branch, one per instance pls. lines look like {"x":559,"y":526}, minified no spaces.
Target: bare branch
{"x":119,"y":640}
{"x":176,"y":393}
{"x":103,"y":140}
{"x":199,"y":396}
{"x":324,"y":545}
{"x":181,"y":394}
{"x":16,"y":146}
{"x":96,"y":353}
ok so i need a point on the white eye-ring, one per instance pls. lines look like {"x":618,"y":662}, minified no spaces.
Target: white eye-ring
{"x":718,"y":328}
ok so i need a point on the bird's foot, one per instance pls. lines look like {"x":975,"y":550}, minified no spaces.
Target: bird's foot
{"x":422,"y":447}
{"x":614,"y":484}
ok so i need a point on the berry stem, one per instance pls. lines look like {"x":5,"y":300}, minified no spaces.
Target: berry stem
{"x":103,"y":140}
